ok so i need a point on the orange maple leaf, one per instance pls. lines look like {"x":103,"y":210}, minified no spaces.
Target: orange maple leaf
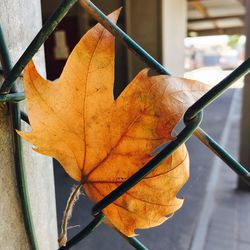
{"x":100,"y":141}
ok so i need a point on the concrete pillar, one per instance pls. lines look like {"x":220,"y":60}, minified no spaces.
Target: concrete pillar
{"x":160,"y":28}
{"x":20,"y":20}
{"x":174,"y":30}
{"x":245,"y":123}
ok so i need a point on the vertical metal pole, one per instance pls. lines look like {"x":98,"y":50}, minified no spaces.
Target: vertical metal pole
{"x":23,"y":170}
{"x":245,"y":122}
{"x":18,"y":152}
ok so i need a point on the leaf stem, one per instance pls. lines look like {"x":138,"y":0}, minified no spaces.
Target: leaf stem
{"x":74,"y":196}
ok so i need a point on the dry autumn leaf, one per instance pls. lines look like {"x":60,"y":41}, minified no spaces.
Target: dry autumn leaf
{"x":100,"y":141}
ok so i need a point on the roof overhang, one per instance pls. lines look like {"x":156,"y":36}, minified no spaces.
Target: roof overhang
{"x":216,"y":17}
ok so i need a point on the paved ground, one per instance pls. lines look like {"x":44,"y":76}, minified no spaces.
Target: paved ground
{"x":226,"y":228}
{"x":229,"y":225}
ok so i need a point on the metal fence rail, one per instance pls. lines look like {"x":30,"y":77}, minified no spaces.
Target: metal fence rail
{"x":192,"y":118}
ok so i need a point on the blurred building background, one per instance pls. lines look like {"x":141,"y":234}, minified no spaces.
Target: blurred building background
{"x":200,"y":39}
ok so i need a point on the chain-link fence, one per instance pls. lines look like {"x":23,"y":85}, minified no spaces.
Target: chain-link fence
{"x":192,"y":118}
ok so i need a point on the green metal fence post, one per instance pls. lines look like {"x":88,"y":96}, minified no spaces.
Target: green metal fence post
{"x":18,"y":154}
{"x":245,"y":122}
